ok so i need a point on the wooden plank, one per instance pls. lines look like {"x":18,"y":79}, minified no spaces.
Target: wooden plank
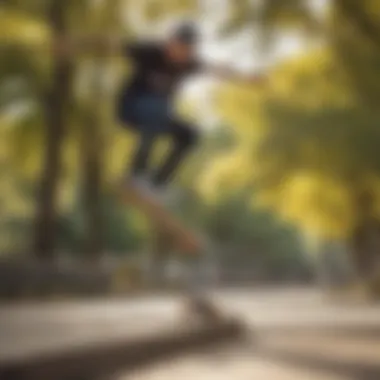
{"x":184,"y":239}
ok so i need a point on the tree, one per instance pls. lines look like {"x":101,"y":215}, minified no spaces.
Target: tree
{"x":56,"y":112}
{"x":314,"y":155}
{"x":86,"y":117}
{"x":53,"y":99}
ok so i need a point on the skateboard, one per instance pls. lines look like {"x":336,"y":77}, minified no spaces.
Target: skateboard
{"x":183,"y":239}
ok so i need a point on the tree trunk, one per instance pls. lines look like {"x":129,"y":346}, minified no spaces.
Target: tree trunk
{"x":365,"y":249}
{"x":56,"y":109}
{"x":92,"y":149}
{"x":93,"y":136}
{"x":366,"y":242}
{"x":92,"y":162}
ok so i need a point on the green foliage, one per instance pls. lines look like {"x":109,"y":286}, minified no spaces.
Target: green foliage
{"x":122,"y":234}
{"x":306,"y":147}
{"x":157,"y":10}
{"x":312,"y":150}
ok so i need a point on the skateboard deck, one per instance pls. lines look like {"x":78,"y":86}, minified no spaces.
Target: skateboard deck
{"x":183,"y":239}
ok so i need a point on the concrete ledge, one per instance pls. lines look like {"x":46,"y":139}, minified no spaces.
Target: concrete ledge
{"x":102,"y":360}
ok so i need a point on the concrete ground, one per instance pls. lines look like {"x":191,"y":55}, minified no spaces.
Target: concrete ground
{"x":292,"y":334}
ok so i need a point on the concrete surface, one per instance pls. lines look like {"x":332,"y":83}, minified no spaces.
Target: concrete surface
{"x":294,"y":334}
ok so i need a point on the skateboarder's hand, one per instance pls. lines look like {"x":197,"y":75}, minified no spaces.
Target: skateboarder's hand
{"x":257,"y":79}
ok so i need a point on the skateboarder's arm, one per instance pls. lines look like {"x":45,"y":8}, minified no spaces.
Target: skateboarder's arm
{"x":226,"y":73}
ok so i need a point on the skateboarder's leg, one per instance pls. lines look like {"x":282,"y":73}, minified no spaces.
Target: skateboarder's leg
{"x":144,"y":115}
{"x":184,"y":137}
{"x":140,"y":160}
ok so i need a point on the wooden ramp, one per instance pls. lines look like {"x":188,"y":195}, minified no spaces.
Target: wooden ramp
{"x":183,"y":239}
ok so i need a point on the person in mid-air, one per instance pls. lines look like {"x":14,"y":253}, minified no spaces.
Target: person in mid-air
{"x":146,"y":102}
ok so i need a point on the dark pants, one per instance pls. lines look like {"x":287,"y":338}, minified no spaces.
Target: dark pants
{"x":151,"y":117}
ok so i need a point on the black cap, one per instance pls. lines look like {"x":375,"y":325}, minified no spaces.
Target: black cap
{"x":187,"y":34}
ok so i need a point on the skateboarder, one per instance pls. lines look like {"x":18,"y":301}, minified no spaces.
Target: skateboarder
{"x":145,"y":103}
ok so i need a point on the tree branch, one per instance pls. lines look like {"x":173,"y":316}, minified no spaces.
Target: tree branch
{"x":355,"y":12}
